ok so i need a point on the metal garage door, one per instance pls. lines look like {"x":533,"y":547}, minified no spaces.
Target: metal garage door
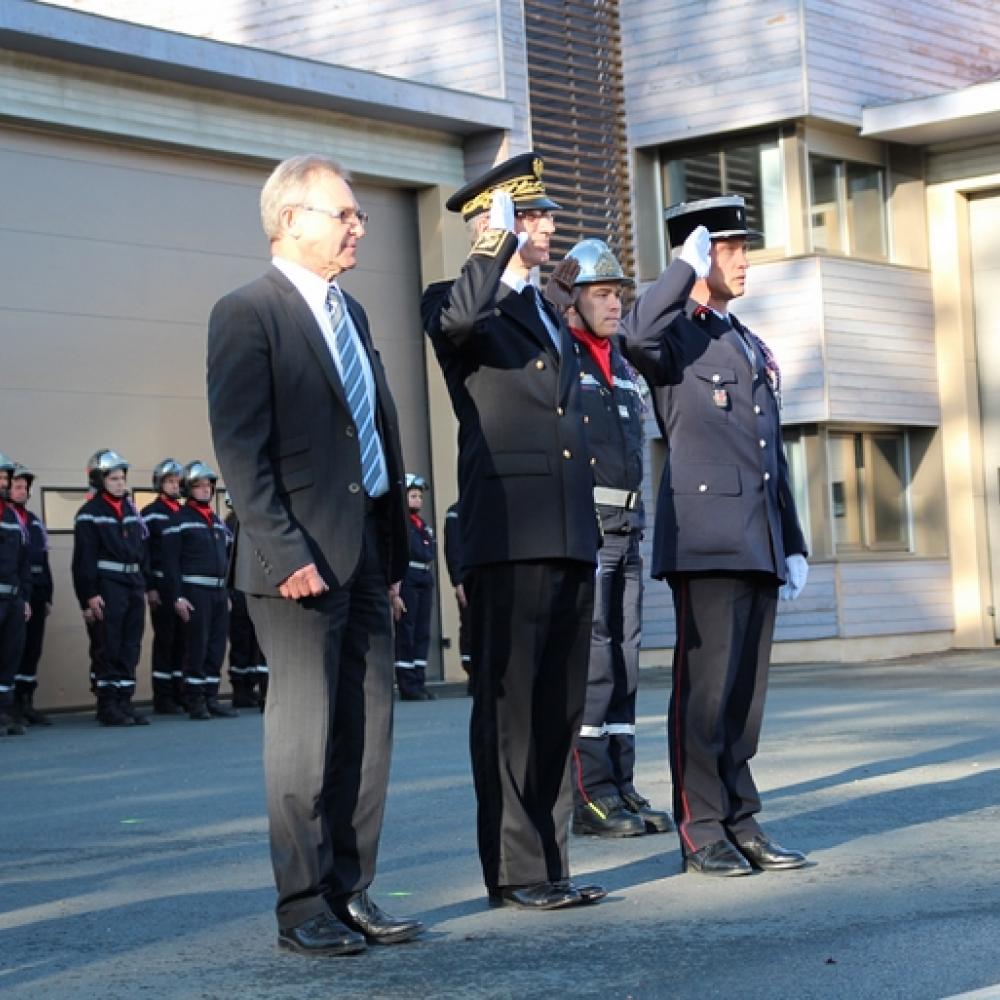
{"x":984,"y":238}
{"x":111,"y":259}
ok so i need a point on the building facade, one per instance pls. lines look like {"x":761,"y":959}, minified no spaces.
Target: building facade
{"x":136,"y":138}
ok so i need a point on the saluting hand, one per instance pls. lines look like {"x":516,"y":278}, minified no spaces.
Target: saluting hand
{"x":697,"y":251}
{"x":304,"y":582}
{"x":559,"y":288}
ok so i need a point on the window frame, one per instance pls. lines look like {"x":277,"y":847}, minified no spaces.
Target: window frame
{"x":846,"y":234}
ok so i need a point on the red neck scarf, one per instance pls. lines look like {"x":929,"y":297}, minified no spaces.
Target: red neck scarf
{"x":418,"y":521}
{"x":172,"y":504}
{"x":117,"y":504}
{"x":599,"y":348}
{"x":202,"y":507}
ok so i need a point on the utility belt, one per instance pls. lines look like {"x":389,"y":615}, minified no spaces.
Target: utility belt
{"x":608,"y":496}
{"x":117,"y":567}
{"x":159,"y":574}
{"x":205,"y":581}
{"x":37,"y":570}
{"x":420,"y":565}
{"x":9,"y":590}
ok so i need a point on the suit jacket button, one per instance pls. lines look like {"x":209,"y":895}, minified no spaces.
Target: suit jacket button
{"x":763,"y":443}
{"x":716,"y":377}
{"x":567,"y":453}
{"x":703,"y":487}
{"x":756,"y":408}
{"x":586,"y":419}
{"x":539,"y":364}
{"x":349,"y":431}
{"x":767,"y":476}
{"x":353,"y":488}
{"x":559,"y":411}
{"x":593,"y":461}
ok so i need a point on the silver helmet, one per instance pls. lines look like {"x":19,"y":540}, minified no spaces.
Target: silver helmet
{"x":415,"y":482}
{"x":22,"y":472}
{"x":194,"y":471}
{"x":6,"y":465}
{"x":101,"y":463}
{"x":597,"y":264}
{"x":168,"y":467}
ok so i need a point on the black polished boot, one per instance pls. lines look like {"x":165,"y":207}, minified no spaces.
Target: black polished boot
{"x":606,"y":817}
{"x":27,"y":711}
{"x":243,"y":694}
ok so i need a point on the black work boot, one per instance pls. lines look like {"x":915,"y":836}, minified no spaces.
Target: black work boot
{"x":606,"y":817}
{"x":656,"y":820}
{"x":164,"y":703}
{"x":197,"y":709}
{"x":216,"y":708}
{"x":132,"y":712}
{"x":109,"y":712}
{"x":243,"y":694}
{"x":24,"y":710}
{"x":9,"y":726}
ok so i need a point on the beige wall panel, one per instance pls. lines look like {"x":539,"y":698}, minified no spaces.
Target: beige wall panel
{"x":914,"y":49}
{"x":813,"y":615}
{"x":687,"y":72}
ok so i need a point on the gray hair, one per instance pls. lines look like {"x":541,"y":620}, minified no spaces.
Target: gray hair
{"x":288,"y":184}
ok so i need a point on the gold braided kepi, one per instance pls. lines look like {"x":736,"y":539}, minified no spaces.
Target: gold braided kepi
{"x":520,"y":177}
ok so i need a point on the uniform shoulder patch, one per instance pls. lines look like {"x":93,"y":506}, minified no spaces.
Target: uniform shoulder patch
{"x":489,"y":242}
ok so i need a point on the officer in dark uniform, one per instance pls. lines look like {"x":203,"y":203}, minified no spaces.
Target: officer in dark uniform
{"x":726,"y":536}
{"x":607,"y":803}
{"x":15,"y":597}
{"x":413,"y":629}
{"x":529,"y":532}
{"x":195,"y":565}
{"x":26,"y":679}
{"x":168,"y":633}
{"x":248,"y":672}
{"x":456,"y":573}
{"x":109,"y":566}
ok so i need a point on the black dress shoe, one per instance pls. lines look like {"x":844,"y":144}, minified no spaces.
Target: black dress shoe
{"x":717,"y":858}
{"x":321,"y":935}
{"x":765,"y":854}
{"x":540,"y":896}
{"x":588,"y":893}
{"x":361,"y":914}
{"x":655,"y":820}
{"x":606,"y":817}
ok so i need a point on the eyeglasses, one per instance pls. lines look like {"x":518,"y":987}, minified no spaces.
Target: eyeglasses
{"x":535,"y":216}
{"x":345,"y":216}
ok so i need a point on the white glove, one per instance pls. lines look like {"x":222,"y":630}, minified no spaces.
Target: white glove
{"x":502,"y":211}
{"x":796,"y":574}
{"x":697,"y":251}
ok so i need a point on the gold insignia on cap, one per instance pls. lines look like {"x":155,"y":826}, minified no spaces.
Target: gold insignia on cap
{"x":537,"y":166}
{"x":489,"y":242}
{"x":526,"y":186}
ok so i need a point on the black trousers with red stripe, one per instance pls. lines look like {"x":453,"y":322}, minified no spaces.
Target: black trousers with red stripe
{"x":725,"y":623}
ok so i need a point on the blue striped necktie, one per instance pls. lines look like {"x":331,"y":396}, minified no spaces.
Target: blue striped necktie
{"x":354,"y":388}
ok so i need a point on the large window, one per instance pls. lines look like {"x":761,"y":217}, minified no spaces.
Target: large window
{"x":798,"y":476}
{"x":847,"y":207}
{"x":750,"y":167}
{"x":869,"y":476}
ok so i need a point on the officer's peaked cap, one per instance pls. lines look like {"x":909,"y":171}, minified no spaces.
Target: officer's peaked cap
{"x":520,"y":177}
{"x":724,"y":217}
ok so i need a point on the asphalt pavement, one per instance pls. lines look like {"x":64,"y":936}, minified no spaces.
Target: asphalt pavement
{"x":134,"y":863}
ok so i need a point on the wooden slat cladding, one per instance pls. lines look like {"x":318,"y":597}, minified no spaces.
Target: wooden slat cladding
{"x":578,"y":119}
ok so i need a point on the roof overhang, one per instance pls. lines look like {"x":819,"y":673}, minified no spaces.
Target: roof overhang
{"x":968,"y":113}
{"x":88,"y":39}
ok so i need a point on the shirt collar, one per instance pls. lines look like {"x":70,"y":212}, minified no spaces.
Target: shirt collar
{"x":312,"y":287}
{"x":514,"y":281}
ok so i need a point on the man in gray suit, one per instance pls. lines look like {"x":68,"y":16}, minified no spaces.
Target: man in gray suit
{"x":307,"y":439}
{"x":726,"y":536}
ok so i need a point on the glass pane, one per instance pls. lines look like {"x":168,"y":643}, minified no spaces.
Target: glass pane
{"x":755,"y":173}
{"x":888,"y":490}
{"x":866,"y":210}
{"x":845,"y":511}
{"x":824,"y":212}
{"x":694,"y":177}
{"x":795,"y":456}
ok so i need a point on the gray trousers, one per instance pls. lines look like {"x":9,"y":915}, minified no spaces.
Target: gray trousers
{"x":327,"y":736}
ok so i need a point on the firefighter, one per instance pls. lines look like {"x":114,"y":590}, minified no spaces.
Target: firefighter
{"x":606,"y":803}
{"x":168,"y":632}
{"x":413,"y":629}
{"x":15,"y":593}
{"x":109,"y":566}
{"x":26,"y":679}
{"x":247,"y":664}
{"x":195,"y":565}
